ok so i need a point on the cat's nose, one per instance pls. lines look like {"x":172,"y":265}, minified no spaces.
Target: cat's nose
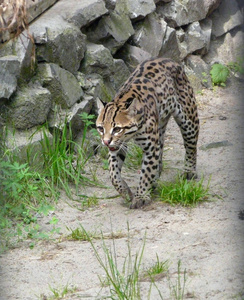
{"x":107,"y":142}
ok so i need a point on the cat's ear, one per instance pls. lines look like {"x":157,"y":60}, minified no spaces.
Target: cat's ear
{"x":100,"y":105}
{"x":131,"y":106}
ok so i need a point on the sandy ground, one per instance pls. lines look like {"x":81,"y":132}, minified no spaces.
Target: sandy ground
{"x":208,"y":239}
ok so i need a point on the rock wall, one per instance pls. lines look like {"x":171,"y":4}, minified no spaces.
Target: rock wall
{"x":79,"y":50}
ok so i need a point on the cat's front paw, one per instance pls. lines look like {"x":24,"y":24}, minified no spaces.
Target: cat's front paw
{"x":139,"y":201}
{"x":189,"y":175}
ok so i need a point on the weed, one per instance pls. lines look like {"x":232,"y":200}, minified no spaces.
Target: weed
{"x":219,"y":74}
{"x":159,"y":268}
{"x":60,"y":292}
{"x":62,"y":165}
{"x":204,"y":78}
{"x":177,"y":290}
{"x":24,"y":194}
{"x":134,"y":156}
{"x":123,"y":284}
{"x":237,"y":66}
{"x":87,"y":121}
{"x":105,"y":165}
{"x":78,"y":234}
{"x":184,"y":192}
{"x":90,"y":201}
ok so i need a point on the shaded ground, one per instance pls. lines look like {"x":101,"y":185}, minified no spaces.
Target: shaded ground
{"x":208,"y":239}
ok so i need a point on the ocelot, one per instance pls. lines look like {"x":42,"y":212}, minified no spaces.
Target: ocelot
{"x":155,"y":91}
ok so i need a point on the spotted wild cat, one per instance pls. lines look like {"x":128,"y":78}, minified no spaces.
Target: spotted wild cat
{"x":156,"y":90}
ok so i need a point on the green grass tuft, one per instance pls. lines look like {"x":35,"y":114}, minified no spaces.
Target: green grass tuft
{"x":184,"y":192}
{"x":134,"y":156}
{"x":159,"y":268}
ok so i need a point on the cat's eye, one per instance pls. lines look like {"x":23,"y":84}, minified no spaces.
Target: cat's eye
{"x":117,"y":130}
{"x":100,"y":129}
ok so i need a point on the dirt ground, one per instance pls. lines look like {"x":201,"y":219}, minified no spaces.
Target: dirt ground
{"x":208,"y":239}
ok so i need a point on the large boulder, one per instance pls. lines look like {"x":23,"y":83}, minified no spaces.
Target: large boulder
{"x":58,"y":42}
{"x":23,"y":46}
{"x":120,"y":74}
{"x":96,"y":86}
{"x":30,"y":107}
{"x":98,"y":59}
{"x":211,"y":5}
{"x":79,"y":12}
{"x":170,"y":47}
{"x":119,"y":26}
{"x":152,"y":29}
{"x":198,"y":72}
{"x":133,"y":56}
{"x":195,"y":39}
{"x":9,"y":71}
{"x":112,"y":31}
{"x":136,"y":9}
{"x":226,"y":48}
{"x":177,"y":13}
{"x":226,"y":17}
{"x":70,"y":117}
{"x":21,"y":49}
{"x":62,"y":84}
{"x":11,"y":19}
{"x":27,"y":145}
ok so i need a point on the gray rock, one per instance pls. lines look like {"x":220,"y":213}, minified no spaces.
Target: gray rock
{"x":80,"y":12}
{"x":170,"y":47}
{"x":74,"y":118}
{"x":211,"y":5}
{"x":9,"y":71}
{"x":84,"y":82}
{"x":33,"y":10}
{"x":96,"y":32}
{"x":30,"y":107}
{"x":98,"y":59}
{"x":120,"y":74}
{"x":133,"y":55}
{"x":195,"y":39}
{"x":227,"y":48}
{"x":200,"y":70}
{"x":26,"y":145}
{"x":63,"y":85}
{"x":206,"y":27}
{"x":119,"y":26}
{"x":152,"y":29}
{"x":70,"y":117}
{"x":36,"y":8}
{"x":177,"y":13}
{"x":136,"y":9}
{"x":157,"y":1}
{"x":58,"y":42}
{"x":226,"y":17}
{"x":110,"y":4}
{"x":23,"y":48}
{"x":100,"y":88}
{"x":112,"y":45}
{"x":112,"y":31}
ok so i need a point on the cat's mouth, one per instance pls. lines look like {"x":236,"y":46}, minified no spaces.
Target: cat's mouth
{"x":113,"y":149}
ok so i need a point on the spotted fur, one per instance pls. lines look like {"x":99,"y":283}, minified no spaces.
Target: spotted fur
{"x":141,"y":109}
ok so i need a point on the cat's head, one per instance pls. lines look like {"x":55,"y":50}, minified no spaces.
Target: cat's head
{"x":117,"y":122}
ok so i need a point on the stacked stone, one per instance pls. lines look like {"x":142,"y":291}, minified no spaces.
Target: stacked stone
{"x":84,"y":49}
